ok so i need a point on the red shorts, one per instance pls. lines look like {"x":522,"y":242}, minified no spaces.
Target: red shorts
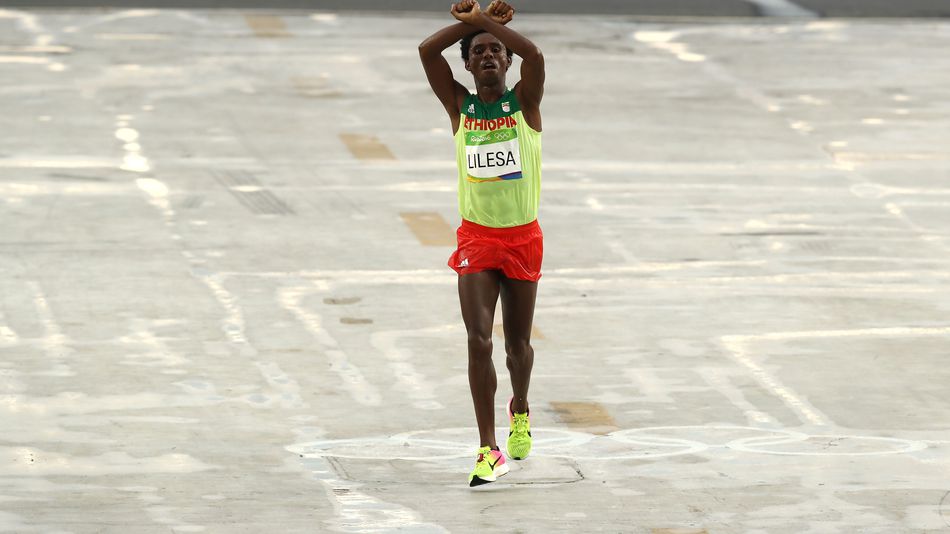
{"x":515,"y":251}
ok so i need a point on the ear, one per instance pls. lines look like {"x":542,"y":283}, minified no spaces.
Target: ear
{"x":468,"y":67}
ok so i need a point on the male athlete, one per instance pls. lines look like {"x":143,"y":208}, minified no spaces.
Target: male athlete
{"x":498,"y":149}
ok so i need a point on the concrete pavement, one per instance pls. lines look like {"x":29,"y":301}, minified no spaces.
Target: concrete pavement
{"x":224,"y":305}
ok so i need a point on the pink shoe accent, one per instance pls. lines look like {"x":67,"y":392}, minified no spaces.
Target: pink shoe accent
{"x":500,"y":458}
{"x":511,"y":414}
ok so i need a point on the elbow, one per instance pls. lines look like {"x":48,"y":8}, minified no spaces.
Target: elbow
{"x":534,"y":56}
{"x":424,"y":48}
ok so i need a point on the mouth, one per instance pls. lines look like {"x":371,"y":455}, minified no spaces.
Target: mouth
{"x":490,"y":66}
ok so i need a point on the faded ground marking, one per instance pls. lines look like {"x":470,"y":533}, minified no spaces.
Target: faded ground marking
{"x":352,"y":378}
{"x":590,"y":416}
{"x":233,"y":325}
{"x":738,"y":347}
{"x":355,"y":511}
{"x":366,"y":147}
{"x":267,"y":26}
{"x":55,"y":343}
{"x":430,"y":228}
{"x":399,"y":357}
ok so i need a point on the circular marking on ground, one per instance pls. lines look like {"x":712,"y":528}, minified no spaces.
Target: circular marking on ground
{"x":628,"y":444}
{"x":418,"y":445}
{"x":830,"y":445}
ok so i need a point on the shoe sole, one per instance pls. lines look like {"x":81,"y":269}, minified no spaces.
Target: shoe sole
{"x":501,"y":470}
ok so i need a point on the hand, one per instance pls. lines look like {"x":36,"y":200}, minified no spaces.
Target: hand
{"x":500,"y":12}
{"x":467,"y":11}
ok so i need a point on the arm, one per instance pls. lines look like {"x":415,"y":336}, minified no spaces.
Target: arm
{"x":531,"y":87}
{"x":450,"y":92}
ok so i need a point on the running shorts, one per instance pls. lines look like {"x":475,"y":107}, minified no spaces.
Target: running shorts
{"x":515,"y":251}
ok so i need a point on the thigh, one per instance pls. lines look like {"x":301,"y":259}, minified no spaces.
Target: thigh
{"x":478,"y":295}
{"x":517,"y":308}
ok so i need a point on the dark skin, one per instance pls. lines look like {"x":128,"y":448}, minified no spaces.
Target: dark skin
{"x":479,"y":292}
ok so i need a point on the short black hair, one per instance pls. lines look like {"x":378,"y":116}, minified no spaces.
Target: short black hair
{"x":466,"y":44}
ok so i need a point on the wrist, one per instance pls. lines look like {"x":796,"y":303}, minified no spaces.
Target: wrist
{"x":481,"y":21}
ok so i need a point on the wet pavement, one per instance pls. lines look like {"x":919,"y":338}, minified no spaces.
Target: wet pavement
{"x":225,"y":307}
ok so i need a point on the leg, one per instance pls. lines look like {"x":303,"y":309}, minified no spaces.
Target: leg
{"x":478,"y":294}
{"x":517,"y":309}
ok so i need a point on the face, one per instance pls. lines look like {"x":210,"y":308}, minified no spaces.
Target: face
{"x":487,"y":58}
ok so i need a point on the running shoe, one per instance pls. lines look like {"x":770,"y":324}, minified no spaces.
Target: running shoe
{"x":488,"y":467}
{"x":519,"y":437}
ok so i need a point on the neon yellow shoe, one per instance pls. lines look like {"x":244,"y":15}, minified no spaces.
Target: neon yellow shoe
{"x":519,"y":437}
{"x":488,"y":467}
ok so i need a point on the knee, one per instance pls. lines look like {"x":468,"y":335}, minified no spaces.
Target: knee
{"x":479,"y":346}
{"x":518,"y":350}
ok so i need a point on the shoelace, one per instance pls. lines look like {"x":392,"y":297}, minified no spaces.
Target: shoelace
{"x":521,"y":423}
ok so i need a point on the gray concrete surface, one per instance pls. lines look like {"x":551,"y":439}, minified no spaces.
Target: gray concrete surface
{"x":224,"y":305}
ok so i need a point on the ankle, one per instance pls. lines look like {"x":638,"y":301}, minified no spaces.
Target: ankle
{"x":519,"y":406}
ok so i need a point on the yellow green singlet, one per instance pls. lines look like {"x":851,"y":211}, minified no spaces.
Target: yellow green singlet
{"x":499,"y":162}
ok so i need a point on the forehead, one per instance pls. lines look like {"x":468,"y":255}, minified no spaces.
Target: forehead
{"x":484,"y":39}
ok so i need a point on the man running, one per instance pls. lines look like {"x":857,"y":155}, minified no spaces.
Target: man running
{"x":498,"y":149}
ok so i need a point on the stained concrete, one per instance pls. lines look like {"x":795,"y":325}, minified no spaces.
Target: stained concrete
{"x":214,"y":316}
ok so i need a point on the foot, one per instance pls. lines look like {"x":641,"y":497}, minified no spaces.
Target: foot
{"x":519,"y":437}
{"x":488,"y":467}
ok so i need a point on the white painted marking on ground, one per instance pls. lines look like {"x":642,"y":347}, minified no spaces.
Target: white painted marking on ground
{"x":7,"y":335}
{"x":355,"y":511}
{"x":783,"y":9}
{"x":354,"y":382}
{"x":651,"y":443}
{"x":277,"y":379}
{"x":132,"y":37}
{"x":718,"y":378}
{"x":737,"y":348}
{"x":133,"y":160}
{"x":54,"y":342}
{"x":809,"y":99}
{"x":156,"y":352}
{"x":25,"y":60}
{"x":326,"y":18}
{"x":233,"y":324}
{"x":896,"y":331}
{"x":801,"y":126}
{"x":158,"y":194}
{"x":400,"y":357}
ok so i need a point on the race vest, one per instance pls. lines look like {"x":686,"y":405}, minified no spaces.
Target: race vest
{"x":499,"y":163}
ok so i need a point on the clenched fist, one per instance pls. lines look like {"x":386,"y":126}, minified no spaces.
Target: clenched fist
{"x":467,"y":11}
{"x":500,"y":12}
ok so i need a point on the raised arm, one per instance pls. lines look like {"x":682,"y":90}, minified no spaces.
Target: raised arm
{"x":530,"y":89}
{"x":450,"y":92}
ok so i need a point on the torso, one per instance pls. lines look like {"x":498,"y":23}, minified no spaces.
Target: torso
{"x":499,"y":161}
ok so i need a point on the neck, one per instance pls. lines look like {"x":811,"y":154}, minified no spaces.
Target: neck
{"x":489,"y":93}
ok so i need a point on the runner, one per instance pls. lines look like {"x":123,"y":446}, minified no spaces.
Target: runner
{"x":498,"y":148}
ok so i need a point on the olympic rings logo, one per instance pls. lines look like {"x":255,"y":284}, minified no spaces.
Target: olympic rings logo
{"x":629,"y":444}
